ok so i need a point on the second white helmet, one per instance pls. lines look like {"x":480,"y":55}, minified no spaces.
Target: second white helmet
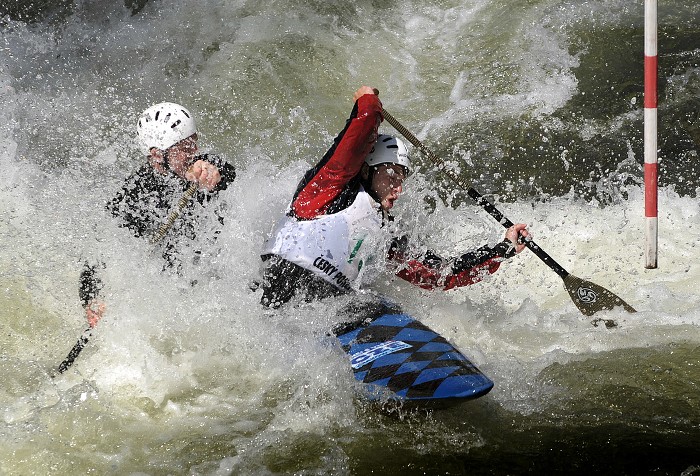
{"x":389,"y":150}
{"x":164,"y":125}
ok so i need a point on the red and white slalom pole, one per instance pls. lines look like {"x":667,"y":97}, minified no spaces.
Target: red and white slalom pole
{"x":650,"y":132}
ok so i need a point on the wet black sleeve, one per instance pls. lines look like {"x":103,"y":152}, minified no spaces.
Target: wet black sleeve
{"x":474,"y":258}
{"x":226,"y":170}
{"x":141,"y":194}
{"x":90,"y":283}
{"x":400,"y":248}
{"x":429,"y":270}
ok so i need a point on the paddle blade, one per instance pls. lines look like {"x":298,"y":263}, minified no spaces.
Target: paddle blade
{"x":591,"y":298}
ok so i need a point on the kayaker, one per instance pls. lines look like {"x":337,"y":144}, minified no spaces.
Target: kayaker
{"x":340,"y":216}
{"x":167,"y":133}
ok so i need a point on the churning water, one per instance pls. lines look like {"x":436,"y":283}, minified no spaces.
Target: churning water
{"x":537,"y":103}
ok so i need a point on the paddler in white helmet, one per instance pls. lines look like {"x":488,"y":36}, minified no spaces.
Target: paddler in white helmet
{"x":171,"y":162}
{"x":343,"y":204}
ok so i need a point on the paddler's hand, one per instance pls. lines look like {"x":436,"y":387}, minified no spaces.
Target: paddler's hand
{"x":205,"y":174}
{"x":364,"y":90}
{"x":517,"y":235}
{"x":94,"y":312}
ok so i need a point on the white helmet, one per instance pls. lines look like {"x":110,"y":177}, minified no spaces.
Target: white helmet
{"x":164,"y":125}
{"x":389,"y":150}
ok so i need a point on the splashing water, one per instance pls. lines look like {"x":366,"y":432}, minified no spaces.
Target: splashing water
{"x":535,"y":103}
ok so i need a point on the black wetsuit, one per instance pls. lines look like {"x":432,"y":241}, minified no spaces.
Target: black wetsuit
{"x":144,"y":203}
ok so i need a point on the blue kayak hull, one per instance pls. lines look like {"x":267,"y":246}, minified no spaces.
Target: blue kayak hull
{"x":397,"y":353}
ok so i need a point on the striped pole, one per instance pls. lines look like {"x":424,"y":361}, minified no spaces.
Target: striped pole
{"x":650,"y":134}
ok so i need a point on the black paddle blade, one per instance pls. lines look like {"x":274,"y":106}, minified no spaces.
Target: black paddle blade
{"x":591,"y":298}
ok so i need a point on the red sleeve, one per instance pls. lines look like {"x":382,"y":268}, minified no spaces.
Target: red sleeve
{"x":418,"y":273}
{"x":431,"y":271}
{"x":344,"y":164}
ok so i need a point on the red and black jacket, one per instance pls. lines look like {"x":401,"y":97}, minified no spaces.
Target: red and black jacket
{"x":333,"y":184}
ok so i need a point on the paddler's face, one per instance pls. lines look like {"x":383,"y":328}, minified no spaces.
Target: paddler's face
{"x":387,"y":184}
{"x":180,"y":156}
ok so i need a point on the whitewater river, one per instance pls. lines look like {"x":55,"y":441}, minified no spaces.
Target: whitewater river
{"x":537,"y":103}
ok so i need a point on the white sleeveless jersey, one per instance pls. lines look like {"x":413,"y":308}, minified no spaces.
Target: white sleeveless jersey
{"x":329,"y":245}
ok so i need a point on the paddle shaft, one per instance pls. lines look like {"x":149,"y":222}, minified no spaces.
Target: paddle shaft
{"x":160,"y":233}
{"x":474,"y":194}
{"x":588,"y":297}
{"x":75,"y":351}
{"x":184,"y":200}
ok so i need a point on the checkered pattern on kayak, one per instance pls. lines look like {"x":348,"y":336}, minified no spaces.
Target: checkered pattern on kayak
{"x":431,"y":368}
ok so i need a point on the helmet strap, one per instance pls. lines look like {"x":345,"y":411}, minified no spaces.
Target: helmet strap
{"x":367,"y":183}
